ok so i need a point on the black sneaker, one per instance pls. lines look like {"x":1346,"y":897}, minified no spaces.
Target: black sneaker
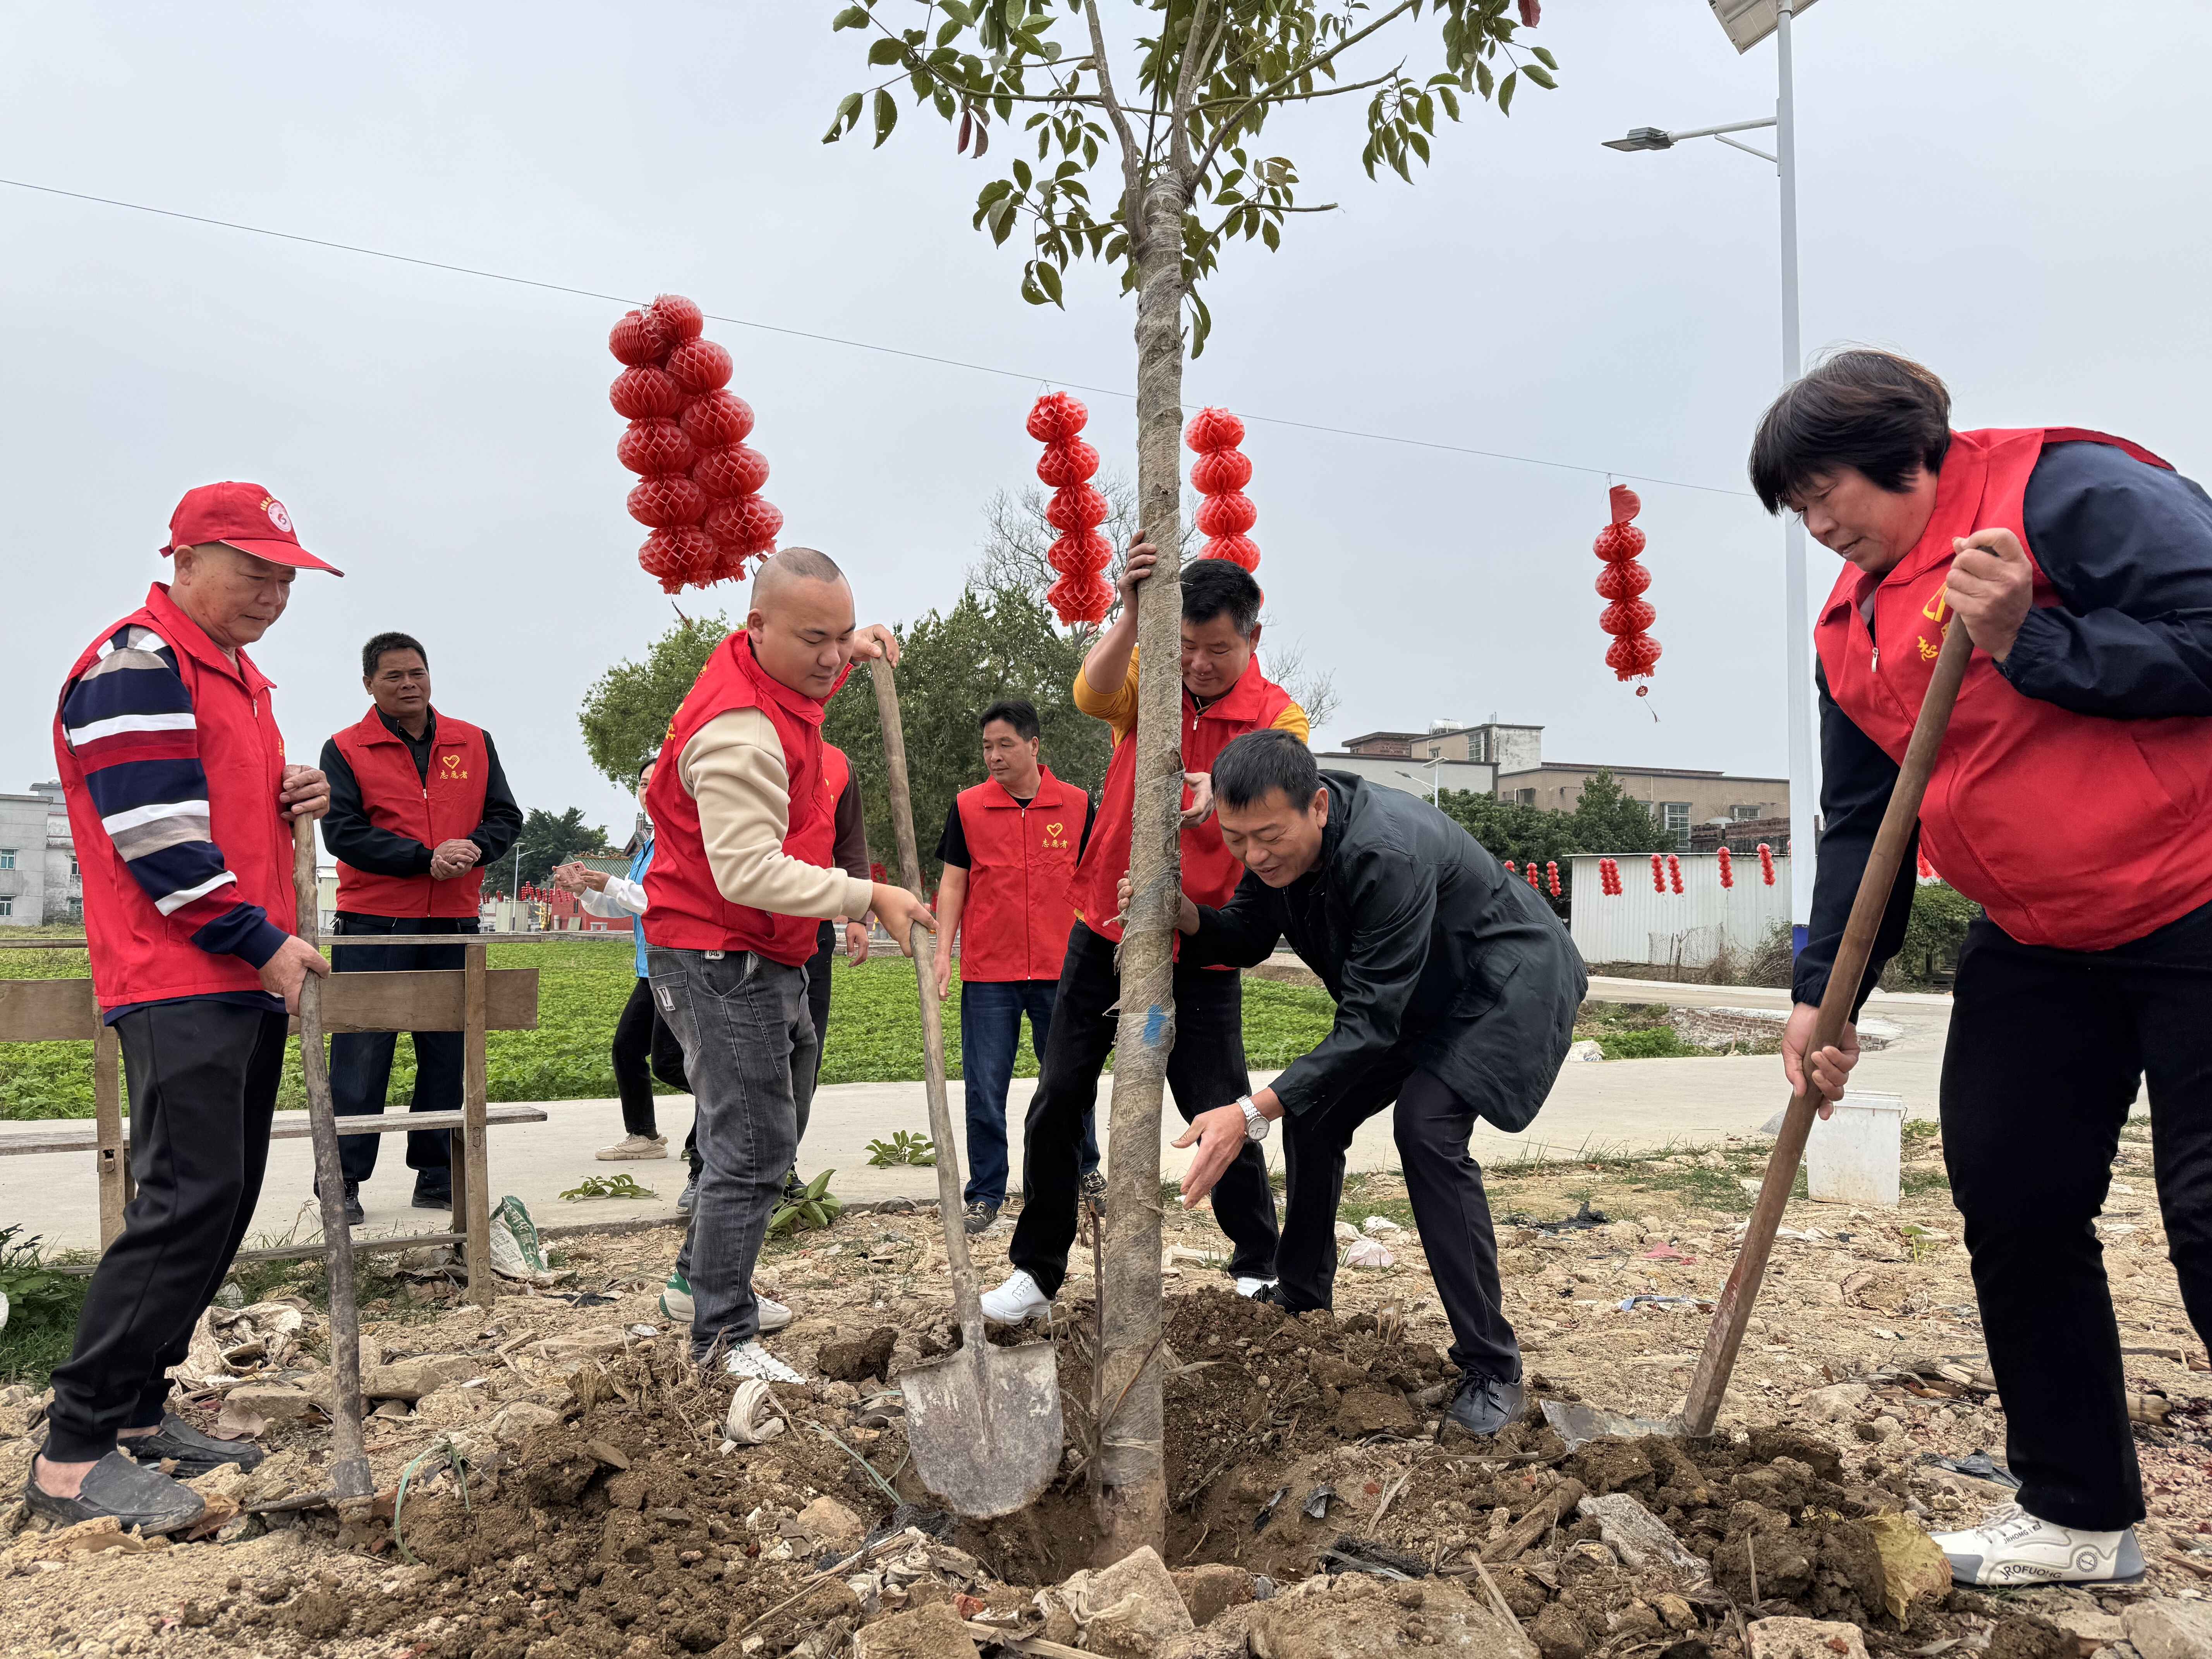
{"x":118,"y":1487}
{"x":981,"y":1217}
{"x":195,"y":1453}
{"x":433,"y":1192}
{"x":685,"y":1199}
{"x":1094,"y":1190}
{"x":1485,"y":1405}
{"x":354,"y":1215}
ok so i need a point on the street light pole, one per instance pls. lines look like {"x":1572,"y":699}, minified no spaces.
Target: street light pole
{"x":1804,"y":746}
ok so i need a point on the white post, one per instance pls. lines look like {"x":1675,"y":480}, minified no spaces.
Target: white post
{"x":1804,"y":749}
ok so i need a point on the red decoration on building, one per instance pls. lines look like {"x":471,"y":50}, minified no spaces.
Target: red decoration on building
{"x":1658,"y":874}
{"x":1727,"y":870}
{"x":1766,"y":863}
{"x":1627,"y":619}
{"x":1219,"y":475}
{"x":1674,"y":872}
{"x":1552,"y":875}
{"x":1082,"y":595}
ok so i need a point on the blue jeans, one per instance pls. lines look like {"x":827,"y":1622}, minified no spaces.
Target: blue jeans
{"x":990,"y":1029}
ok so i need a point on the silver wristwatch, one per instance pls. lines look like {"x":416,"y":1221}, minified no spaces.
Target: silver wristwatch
{"x":1255,"y":1123}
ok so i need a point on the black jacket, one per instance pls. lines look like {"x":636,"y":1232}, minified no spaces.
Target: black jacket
{"x":2128,"y":548}
{"x":1437,"y":959}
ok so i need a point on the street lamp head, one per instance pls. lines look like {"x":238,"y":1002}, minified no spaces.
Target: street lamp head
{"x":1750,"y":21}
{"x":1642,"y":138}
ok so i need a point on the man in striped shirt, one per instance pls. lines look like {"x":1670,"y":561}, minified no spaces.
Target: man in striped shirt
{"x":180,"y":802}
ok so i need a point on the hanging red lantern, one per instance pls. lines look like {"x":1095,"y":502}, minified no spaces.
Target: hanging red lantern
{"x":1534,"y":883}
{"x":1510,"y":869}
{"x":651,"y":446}
{"x":733,"y":470}
{"x":717,"y":419}
{"x":680,"y":318}
{"x":1219,"y":476}
{"x":666,"y":501}
{"x":1552,"y":875}
{"x":1627,"y":619}
{"x":1658,"y":874}
{"x":1766,"y":863}
{"x":678,"y":556}
{"x":1675,"y":872}
{"x":1081,"y":596}
{"x":645,"y":393}
{"x":1727,"y":870}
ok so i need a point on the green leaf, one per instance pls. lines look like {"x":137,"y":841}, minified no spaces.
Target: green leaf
{"x":886,"y":115}
{"x":959,"y":12}
{"x":1420,"y":144}
{"x":1541,"y":76}
{"x":1001,"y":220}
{"x":1544,"y":57}
{"x":885,"y":49}
{"x":852,"y":17}
{"x":1048,"y":279}
{"x":950,"y":32}
{"x":1271,"y":236}
{"x":1449,"y":100}
{"x":1424,"y":111}
{"x":1485,"y":83}
{"x":848,"y":111}
{"x":820,"y":1184}
{"x":1505,"y":93}
{"x":1023,"y":176}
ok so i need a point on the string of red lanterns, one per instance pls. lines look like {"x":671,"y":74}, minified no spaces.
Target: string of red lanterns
{"x":1078,"y":507}
{"x":1626,"y":616}
{"x":1225,"y":512}
{"x":1766,"y":863}
{"x":1675,"y":872}
{"x":1658,"y":874}
{"x":1552,"y":874}
{"x":1727,"y":869}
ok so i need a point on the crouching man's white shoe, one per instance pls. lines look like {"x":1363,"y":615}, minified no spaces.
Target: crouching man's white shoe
{"x":774,"y":1316}
{"x":2014,"y":1547}
{"x":751,"y":1359}
{"x":1248,"y":1288}
{"x":1017,"y":1299}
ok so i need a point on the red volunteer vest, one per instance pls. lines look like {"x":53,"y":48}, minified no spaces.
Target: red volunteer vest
{"x":1209,"y":871}
{"x":446,"y":805}
{"x":139,"y":955}
{"x":1021,"y":879}
{"x":2026,"y":795}
{"x":684,"y":910}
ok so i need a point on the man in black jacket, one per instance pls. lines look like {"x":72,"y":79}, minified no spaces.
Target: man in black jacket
{"x":1455,"y":996}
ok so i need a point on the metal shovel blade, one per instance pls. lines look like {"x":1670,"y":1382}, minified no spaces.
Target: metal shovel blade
{"x":984,"y":1426}
{"x":1578,"y":1424}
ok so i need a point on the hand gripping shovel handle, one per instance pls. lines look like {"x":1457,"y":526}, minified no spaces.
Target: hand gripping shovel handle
{"x":1733,"y":1312}
{"x":350,"y":1476}
{"x":966,"y":1294}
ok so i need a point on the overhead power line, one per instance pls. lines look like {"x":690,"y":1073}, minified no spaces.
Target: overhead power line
{"x":856,"y":345}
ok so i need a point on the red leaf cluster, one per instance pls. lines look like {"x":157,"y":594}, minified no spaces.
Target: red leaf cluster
{"x":1077,"y":509}
{"x":1628,"y":618}
{"x":699,"y":482}
{"x":1219,"y":476}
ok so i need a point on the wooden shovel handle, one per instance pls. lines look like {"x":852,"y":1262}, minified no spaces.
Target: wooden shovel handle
{"x":967,"y":1295}
{"x":1733,"y":1311}
{"x":349,"y":1474}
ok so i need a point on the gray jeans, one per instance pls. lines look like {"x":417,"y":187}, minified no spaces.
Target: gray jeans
{"x":749,"y":1048}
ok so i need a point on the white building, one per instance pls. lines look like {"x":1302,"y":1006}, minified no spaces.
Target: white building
{"x":39,"y":879}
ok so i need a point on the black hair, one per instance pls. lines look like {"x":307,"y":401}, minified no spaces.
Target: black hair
{"x":373,"y":653}
{"x":1260,"y":764}
{"x":651,"y":756}
{"x":1017,"y":712}
{"x":1212,"y":587}
{"x":1885,"y":415}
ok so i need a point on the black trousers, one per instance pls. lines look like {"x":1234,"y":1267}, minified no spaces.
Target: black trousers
{"x":818,"y":1005}
{"x":2045,"y":1050}
{"x":203,"y":1077}
{"x":645,"y":1048}
{"x":1206,"y":1069}
{"x":1443,"y":1183}
{"x":361,"y":1061}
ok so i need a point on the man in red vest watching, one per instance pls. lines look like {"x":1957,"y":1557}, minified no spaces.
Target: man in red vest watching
{"x":1009,"y":850}
{"x":1225,"y":696}
{"x":179,"y":799}
{"x":742,"y":879}
{"x":419,"y":805}
{"x":2081,"y":567}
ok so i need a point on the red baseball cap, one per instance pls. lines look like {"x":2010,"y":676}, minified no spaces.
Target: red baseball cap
{"x":244,"y":516}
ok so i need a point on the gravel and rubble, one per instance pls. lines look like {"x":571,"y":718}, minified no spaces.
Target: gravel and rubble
{"x":570,"y":1489}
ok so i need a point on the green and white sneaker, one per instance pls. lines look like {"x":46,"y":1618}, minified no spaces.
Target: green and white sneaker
{"x":676,"y":1302}
{"x":2014,"y":1547}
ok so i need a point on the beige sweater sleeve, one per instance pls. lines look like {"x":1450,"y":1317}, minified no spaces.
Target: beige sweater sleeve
{"x":732,"y":767}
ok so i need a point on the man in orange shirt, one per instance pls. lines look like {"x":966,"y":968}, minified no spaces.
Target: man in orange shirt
{"x":1225,"y":696}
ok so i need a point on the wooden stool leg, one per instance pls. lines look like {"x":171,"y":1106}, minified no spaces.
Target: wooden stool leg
{"x":115,"y":1181}
{"x":475,"y":1086}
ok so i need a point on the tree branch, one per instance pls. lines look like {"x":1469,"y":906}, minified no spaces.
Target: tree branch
{"x":1132,"y":169}
{"x":1268,"y":93}
{"x":1307,"y":97}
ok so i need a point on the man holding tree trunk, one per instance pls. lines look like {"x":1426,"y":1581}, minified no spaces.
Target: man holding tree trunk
{"x":1225,"y":696}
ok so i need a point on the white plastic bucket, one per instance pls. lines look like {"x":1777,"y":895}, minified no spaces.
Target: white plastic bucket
{"x":1853,"y":1157}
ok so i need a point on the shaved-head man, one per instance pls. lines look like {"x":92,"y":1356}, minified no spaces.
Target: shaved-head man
{"x":742,"y":877}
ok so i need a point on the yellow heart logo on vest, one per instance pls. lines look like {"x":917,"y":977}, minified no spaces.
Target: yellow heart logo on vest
{"x":1054,"y":829}
{"x":452,"y":760}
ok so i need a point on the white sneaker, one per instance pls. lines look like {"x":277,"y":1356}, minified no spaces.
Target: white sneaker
{"x":1251,"y":1287}
{"x":2014,"y":1548}
{"x":1016,"y":1300}
{"x":635,"y":1147}
{"x":751,"y":1359}
{"x":774,"y":1316}
{"x":676,"y":1301}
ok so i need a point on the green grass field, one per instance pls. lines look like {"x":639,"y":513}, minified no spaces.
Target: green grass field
{"x":875,"y":1031}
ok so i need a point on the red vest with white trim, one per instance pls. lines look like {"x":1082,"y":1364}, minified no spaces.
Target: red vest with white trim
{"x":1021,"y":879}
{"x":684,"y":910}
{"x":1209,"y":871}
{"x":139,"y":955}
{"x":2030,"y":803}
{"x":447,"y":805}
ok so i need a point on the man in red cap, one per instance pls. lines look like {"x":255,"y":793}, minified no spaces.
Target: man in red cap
{"x":179,"y":799}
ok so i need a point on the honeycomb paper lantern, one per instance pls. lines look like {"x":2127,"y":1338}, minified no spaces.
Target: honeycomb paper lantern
{"x":658,"y":445}
{"x":667,"y":500}
{"x":1081,"y":596}
{"x":1728,"y":867}
{"x":700,"y":366}
{"x":681,"y":318}
{"x":645,"y":392}
{"x":1219,"y":475}
{"x":717,"y":419}
{"x":1070,"y":461}
{"x":735,"y":470}
{"x":1633,"y":652}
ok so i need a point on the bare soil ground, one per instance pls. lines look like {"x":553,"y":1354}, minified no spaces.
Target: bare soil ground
{"x":604,"y":1515}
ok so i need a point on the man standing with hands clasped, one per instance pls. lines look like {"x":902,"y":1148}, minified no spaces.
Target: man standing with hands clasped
{"x":1456,"y":992}
{"x":419,"y":805}
{"x":181,"y":802}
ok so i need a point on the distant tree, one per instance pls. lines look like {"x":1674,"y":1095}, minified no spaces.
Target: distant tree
{"x":548,"y":840}
{"x":626,"y":713}
{"x":1608,"y":819}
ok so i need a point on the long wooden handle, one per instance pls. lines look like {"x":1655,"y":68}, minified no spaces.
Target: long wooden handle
{"x":967,"y":1295}
{"x":1733,"y":1311}
{"x":349,"y":1475}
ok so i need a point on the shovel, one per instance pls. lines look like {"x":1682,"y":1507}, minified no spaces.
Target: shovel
{"x":1576,"y":1422}
{"x":983,"y":1425}
{"x":349,"y":1476}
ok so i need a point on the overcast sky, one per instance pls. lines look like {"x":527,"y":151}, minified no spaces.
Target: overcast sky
{"x":2012,"y":190}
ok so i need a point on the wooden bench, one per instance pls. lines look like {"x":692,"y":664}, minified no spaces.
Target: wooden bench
{"x":472,"y":999}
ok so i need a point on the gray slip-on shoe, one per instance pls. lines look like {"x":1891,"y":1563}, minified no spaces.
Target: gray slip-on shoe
{"x":195,"y":1453}
{"x":119,"y":1486}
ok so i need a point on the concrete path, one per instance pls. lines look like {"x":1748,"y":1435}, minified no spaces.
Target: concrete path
{"x":1615,"y":1106}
